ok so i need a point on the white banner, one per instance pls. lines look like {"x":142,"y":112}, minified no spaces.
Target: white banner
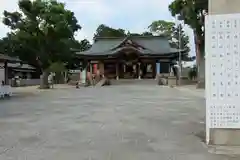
{"x":222,"y":48}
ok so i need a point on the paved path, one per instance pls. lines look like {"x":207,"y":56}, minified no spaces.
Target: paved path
{"x":191,"y":89}
{"x":125,"y":122}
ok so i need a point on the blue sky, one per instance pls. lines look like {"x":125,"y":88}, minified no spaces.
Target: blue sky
{"x":132,"y":15}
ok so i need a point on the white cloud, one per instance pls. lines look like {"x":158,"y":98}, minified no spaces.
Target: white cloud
{"x":130,"y":15}
{"x":93,"y":9}
{"x":10,"y":5}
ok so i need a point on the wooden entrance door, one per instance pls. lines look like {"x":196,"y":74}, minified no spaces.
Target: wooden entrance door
{"x":128,"y":70}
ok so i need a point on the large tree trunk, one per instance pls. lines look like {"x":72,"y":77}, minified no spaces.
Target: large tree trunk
{"x":44,"y":80}
{"x":200,"y":60}
{"x":201,"y":72}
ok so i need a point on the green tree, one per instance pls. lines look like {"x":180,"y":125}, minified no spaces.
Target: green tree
{"x":43,"y":30}
{"x":81,"y":46}
{"x":133,"y":34}
{"x":147,"y":34}
{"x":4,"y":43}
{"x":179,"y":39}
{"x":192,"y":12}
{"x":106,"y":31}
{"x":59,"y":68}
{"x":172,"y":32}
{"x":10,"y":46}
{"x":161,"y":27}
{"x":84,"y":45}
{"x":140,"y":34}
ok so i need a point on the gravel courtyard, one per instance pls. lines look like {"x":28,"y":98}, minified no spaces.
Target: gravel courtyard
{"x":124,"y":122}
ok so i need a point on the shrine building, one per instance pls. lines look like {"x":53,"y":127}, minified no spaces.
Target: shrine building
{"x":131,"y":57}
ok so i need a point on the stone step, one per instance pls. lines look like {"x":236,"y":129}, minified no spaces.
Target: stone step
{"x":103,"y":82}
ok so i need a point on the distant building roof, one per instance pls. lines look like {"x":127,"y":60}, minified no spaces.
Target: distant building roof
{"x":4,"y":57}
{"x":21,"y":66}
{"x":150,"y":45}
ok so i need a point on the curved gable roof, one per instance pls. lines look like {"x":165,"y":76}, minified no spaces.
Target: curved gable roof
{"x":158,"y":45}
{"x":102,"y":46}
{"x":151,"y":45}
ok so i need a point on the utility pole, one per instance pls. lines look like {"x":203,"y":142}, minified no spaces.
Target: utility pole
{"x":180,"y":53}
{"x":179,"y":28}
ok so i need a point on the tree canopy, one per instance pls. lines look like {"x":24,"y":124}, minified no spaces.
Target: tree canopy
{"x":192,"y":12}
{"x":173,"y":32}
{"x":161,"y":27}
{"x":146,"y":33}
{"x":106,"y":31}
{"x":42,"y":31}
{"x":57,"y":67}
{"x":84,"y":45}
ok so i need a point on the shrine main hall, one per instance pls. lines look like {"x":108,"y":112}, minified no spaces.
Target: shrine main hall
{"x":131,"y":57}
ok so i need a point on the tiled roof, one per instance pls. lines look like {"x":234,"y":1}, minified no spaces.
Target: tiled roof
{"x":4,"y":57}
{"x":22,"y":66}
{"x":153,"y":45}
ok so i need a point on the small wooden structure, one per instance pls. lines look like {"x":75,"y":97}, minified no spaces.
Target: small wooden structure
{"x":5,"y":59}
{"x":5,"y":89}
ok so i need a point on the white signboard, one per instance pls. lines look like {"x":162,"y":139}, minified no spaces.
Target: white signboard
{"x":222,"y":34}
